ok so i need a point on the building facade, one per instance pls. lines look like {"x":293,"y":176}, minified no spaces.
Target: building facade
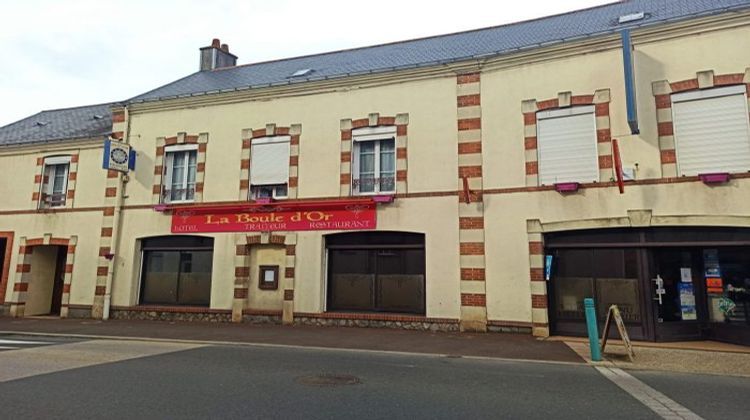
{"x":455,"y":193}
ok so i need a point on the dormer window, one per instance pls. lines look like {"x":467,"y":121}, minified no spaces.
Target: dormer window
{"x":55,"y":181}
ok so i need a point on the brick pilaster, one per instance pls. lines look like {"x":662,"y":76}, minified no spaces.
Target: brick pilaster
{"x":471,"y":209}
{"x":539,"y":314}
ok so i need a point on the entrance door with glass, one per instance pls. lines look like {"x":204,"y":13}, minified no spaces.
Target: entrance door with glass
{"x":676,"y":297}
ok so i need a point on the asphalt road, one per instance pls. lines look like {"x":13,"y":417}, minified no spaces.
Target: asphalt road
{"x":134,"y":379}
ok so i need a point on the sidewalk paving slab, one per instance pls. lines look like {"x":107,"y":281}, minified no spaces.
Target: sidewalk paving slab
{"x":491,"y":345}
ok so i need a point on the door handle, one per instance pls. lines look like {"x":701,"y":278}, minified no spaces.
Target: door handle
{"x":659,"y":288}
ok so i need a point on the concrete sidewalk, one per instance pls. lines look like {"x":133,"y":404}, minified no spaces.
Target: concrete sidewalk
{"x":708,"y":357}
{"x":506,"y":346}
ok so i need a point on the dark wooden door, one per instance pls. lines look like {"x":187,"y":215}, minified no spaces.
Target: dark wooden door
{"x":59,"y":280}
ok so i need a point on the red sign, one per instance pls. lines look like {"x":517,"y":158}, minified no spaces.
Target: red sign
{"x":331,"y":215}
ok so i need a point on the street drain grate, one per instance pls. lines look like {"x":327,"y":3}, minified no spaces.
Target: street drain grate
{"x":327,"y":379}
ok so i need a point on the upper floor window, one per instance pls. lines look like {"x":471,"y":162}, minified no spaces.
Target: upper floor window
{"x":55,"y":181}
{"x":179,"y":173}
{"x":566,"y":144}
{"x":711,"y":130}
{"x":374,"y":160}
{"x":269,"y":168}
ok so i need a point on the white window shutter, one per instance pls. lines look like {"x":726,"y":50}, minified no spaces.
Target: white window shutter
{"x":269,"y":163}
{"x":566,"y":142}
{"x":712,"y":134}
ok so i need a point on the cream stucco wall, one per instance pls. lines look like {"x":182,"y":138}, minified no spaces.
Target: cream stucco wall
{"x":266,"y":255}
{"x":432,"y":163}
{"x":432,"y":127}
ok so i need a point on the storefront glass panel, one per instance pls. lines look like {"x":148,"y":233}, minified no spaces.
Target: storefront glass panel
{"x":177,"y":271}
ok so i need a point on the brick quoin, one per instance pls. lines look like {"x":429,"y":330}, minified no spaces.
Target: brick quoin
{"x":346,"y":135}
{"x":603,"y":135}
{"x":668,"y":156}
{"x":240,"y":293}
{"x":100,"y":290}
{"x":605,"y":162}
{"x":665,"y":128}
{"x":663,"y":101}
{"x":549,"y":103}
{"x":469,"y":124}
{"x":530,"y":143}
{"x":536,"y":274}
{"x":289,"y":272}
{"x":536,"y":248}
{"x":469,"y":171}
{"x":288,"y":294}
{"x":532,"y":168}
{"x":683,"y":85}
{"x":241,"y":250}
{"x":102,"y":271}
{"x":468,"y":100}
{"x":471,"y":223}
{"x":582,"y":100}
{"x":23,"y":268}
{"x":601,"y":110}
{"x":21,"y":287}
{"x":472,"y":274}
{"x":242,"y":271}
{"x":291,"y":249}
{"x":729,"y":79}
{"x":471,"y":248}
{"x":529,"y":118}
{"x":469,"y":148}
{"x":468,"y":78}
{"x":473,"y":299}
{"x":386,"y":120}
{"x":539,"y":301}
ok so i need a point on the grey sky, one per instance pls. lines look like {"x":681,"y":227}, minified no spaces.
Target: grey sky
{"x":67,"y":53}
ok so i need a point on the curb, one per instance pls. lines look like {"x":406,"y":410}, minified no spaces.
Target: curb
{"x":293,"y":347}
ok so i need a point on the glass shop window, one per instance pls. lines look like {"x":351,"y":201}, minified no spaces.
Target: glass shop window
{"x":177,"y":271}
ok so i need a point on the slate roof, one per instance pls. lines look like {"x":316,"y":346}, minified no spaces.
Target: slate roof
{"x":423,"y":52}
{"x":79,"y":122}
{"x":59,"y":124}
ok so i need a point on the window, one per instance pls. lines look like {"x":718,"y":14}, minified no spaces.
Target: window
{"x":269,"y":170}
{"x":55,"y":182}
{"x":179,"y":173}
{"x":374,"y":160}
{"x":566,"y":142}
{"x":711,"y":131}
{"x":268,"y":277}
{"x":177,"y":271}
{"x":376,"y":272}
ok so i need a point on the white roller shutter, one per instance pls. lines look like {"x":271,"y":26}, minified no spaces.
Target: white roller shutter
{"x":566,"y":143}
{"x":711,"y":131}
{"x":269,"y":159}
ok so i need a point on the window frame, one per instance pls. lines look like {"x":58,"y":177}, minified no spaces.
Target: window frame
{"x":265,"y":141}
{"x":572,"y":111}
{"x":376,"y":135}
{"x":698,"y":95}
{"x":169,"y":153}
{"x":54,"y":163}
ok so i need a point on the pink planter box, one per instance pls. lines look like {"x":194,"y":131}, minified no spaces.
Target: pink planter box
{"x":567,"y":187}
{"x":715,"y":178}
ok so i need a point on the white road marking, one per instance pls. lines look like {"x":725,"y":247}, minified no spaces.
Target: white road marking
{"x":651,"y":398}
{"x":7,"y":348}
{"x":21,"y":342}
{"x":24,"y":363}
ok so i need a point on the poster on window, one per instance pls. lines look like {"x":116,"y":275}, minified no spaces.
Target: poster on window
{"x":687,"y":302}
